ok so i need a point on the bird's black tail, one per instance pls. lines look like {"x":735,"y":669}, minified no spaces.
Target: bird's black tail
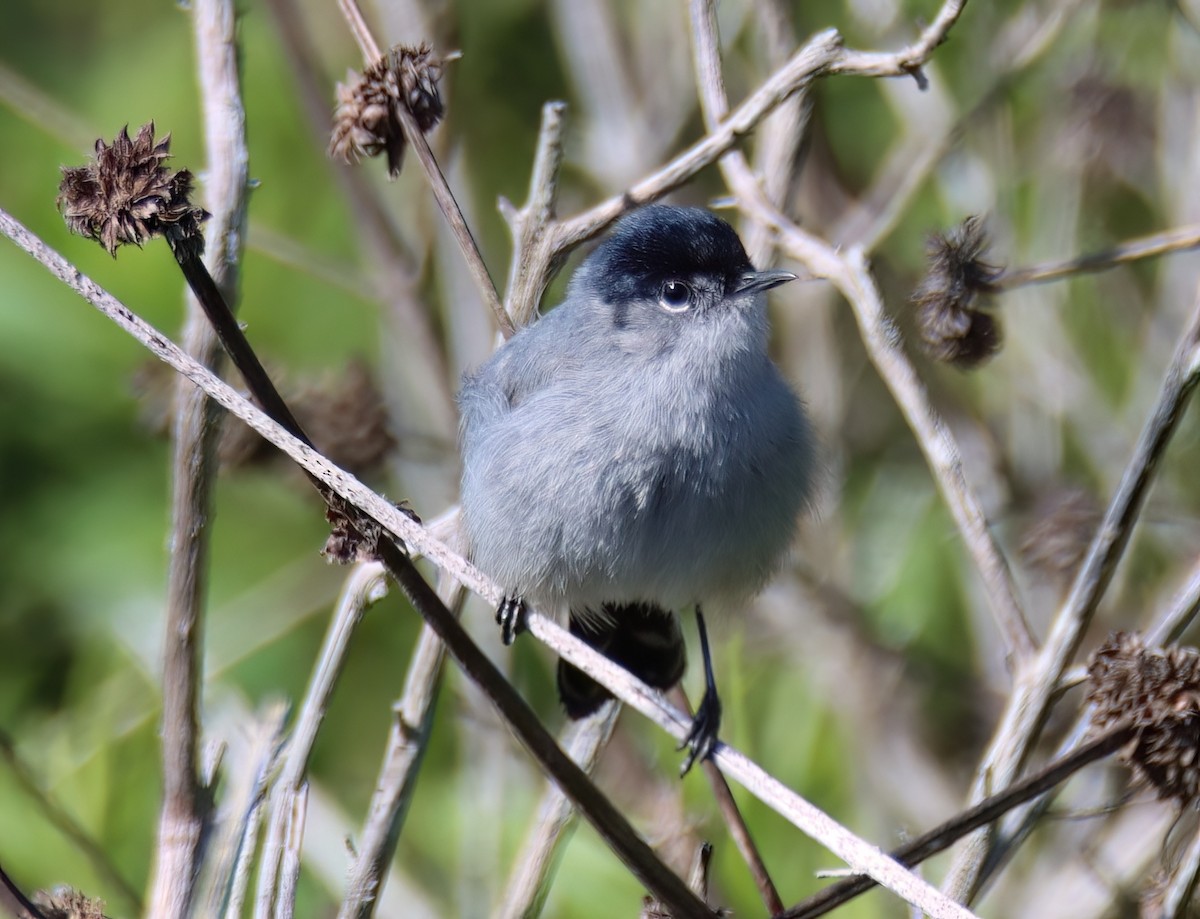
{"x":643,"y":638}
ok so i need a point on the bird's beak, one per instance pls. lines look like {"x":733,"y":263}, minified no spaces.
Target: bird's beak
{"x":753,"y":282}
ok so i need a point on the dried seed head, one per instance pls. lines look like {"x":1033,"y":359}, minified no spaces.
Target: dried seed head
{"x":366,"y":121}
{"x":65,"y":903}
{"x":1156,"y":691}
{"x":355,"y":537}
{"x":346,"y":418}
{"x":348,"y":421}
{"x":1062,"y":529}
{"x":952,"y":312}
{"x":126,"y":194}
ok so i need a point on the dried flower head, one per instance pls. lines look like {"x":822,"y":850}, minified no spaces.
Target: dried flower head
{"x":951,"y":300}
{"x":355,"y":537}
{"x":346,"y":418}
{"x":126,"y":194}
{"x":367,"y":120}
{"x":1157,"y":692}
{"x":66,"y":903}
{"x":1056,"y":540}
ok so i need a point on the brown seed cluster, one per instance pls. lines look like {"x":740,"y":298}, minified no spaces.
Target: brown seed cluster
{"x":1157,"y":692}
{"x":346,"y":418}
{"x":367,"y":120}
{"x":66,"y":903}
{"x":953,"y":313}
{"x":1057,"y":539}
{"x":127,"y":195}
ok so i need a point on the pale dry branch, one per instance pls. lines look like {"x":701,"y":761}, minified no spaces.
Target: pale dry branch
{"x":1181,"y":239}
{"x":366,"y":585}
{"x":297,"y":811}
{"x":407,"y":741}
{"x":1029,"y":704}
{"x":863,"y":857}
{"x":187,"y":804}
{"x":531,"y":225}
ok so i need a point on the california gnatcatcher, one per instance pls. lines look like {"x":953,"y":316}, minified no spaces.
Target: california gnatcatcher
{"x":636,"y":451}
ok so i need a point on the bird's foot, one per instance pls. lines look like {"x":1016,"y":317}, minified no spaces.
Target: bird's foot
{"x":701,"y":738}
{"x":510,"y":616}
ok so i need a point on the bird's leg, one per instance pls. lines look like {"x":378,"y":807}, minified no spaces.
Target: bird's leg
{"x":510,"y":616}
{"x":702,"y":736}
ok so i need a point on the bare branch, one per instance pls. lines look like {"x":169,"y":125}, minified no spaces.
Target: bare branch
{"x":529,"y":270}
{"x":1178,"y":240}
{"x":366,"y":585}
{"x":407,"y":740}
{"x":1034,"y":691}
{"x":907,"y":61}
{"x":186,"y":801}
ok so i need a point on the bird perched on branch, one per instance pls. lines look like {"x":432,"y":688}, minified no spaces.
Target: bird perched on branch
{"x":636,"y":452}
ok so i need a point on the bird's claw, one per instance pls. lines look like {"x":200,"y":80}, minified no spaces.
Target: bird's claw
{"x":510,"y":616}
{"x":701,"y":737}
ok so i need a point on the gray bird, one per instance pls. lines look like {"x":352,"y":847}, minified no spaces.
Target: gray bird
{"x":636,"y":452}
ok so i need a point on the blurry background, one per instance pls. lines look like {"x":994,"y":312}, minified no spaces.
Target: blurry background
{"x":867,"y":677}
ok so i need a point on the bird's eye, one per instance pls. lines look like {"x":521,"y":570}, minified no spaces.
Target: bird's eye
{"x":675,"y":296}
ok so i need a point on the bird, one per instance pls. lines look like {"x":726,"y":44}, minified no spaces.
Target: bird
{"x":635,"y":452}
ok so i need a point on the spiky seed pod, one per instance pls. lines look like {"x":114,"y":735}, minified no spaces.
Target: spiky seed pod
{"x":348,"y":421}
{"x":1156,"y":691}
{"x":127,"y":195}
{"x":66,"y":903}
{"x":953,"y":314}
{"x":366,"y":121}
{"x":346,"y":418}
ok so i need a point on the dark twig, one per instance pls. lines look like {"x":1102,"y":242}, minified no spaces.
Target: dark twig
{"x":15,"y":903}
{"x":735,"y":823}
{"x":990,"y":809}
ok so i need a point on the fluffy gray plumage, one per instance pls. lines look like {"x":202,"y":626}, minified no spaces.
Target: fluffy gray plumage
{"x":637,"y":444}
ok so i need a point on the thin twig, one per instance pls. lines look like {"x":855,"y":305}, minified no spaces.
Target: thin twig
{"x":534,"y":866}
{"x":1029,"y":704}
{"x":735,"y":823}
{"x":1165,"y":628}
{"x":530,"y":226}
{"x":408,"y":735}
{"x":809,"y":62}
{"x":366,"y":585}
{"x":248,"y":799}
{"x":15,"y":902}
{"x":1177,"y":898}
{"x":289,"y":875}
{"x":987,"y":811}
{"x":187,"y":803}
{"x":1180,"y":239}
{"x":525,"y":724}
{"x":433,"y":174}
{"x":909,"y":60}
